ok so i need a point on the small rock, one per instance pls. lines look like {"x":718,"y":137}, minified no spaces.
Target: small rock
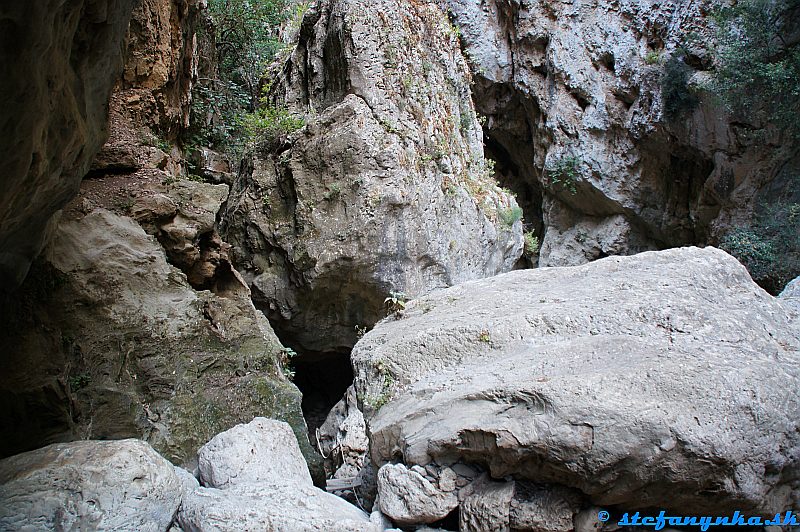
{"x":447,"y":479}
{"x":431,"y":470}
{"x":419,"y":469}
{"x":485,"y":505}
{"x":463,"y":470}
{"x":587,"y":521}
{"x":408,"y":498}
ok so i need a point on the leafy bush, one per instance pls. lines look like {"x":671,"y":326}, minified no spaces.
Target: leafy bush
{"x":531,"y":244}
{"x":678,"y":97}
{"x":267,"y":125}
{"x":770,"y":246}
{"x":563,"y":172}
{"x":652,"y":57}
{"x":757,"y":63}
{"x":245,"y":40}
{"x":510,"y":216}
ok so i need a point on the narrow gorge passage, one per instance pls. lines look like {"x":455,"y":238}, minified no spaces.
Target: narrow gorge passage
{"x":323,"y":379}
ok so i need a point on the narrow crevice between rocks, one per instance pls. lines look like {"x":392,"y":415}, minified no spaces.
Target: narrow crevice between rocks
{"x":323,"y":379}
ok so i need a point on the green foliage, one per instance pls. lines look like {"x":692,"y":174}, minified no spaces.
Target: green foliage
{"x":652,"y":57}
{"x":361,"y":330}
{"x":246,"y":38}
{"x":246,"y":42}
{"x":388,"y":383}
{"x":531,"y":243}
{"x":757,"y":63}
{"x":677,"y":95}
{"x":268,"y":125}
{"x":563,"y":172}
{"x":485,"y":336}
{"x":510,"y":216}
{"x":770,"y":246}
{"x":396,"y":302}
{"x":78,"y":382}
{"x":286,"y":354}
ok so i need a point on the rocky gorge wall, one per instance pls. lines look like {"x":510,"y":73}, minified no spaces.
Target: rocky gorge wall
{"x":385,"y":189}
{"x":603,"y":158}
{"x":60,"y":62}
{"x":165,"y":305}
{"x":133,"y":323}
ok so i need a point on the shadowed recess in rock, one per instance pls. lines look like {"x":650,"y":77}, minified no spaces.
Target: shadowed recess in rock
{"x":323,"y":379}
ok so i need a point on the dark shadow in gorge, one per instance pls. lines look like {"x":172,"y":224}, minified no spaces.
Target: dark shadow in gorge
{"x":323,"y":379}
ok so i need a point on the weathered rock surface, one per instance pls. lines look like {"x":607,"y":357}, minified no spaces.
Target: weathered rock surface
{"x":407,"y":497}
{"x":667,"y":379}
{"x":578,"y":86}
{"x":123,"y":346}
{"x":256,"y":478}
{"x":343,"y":438}
{"x":59,"y":64}
{"x":791,"y":295}
{"x":89,"y":485}
{"x":261,"y":451}
{"x":385,"y":188}
{"x":485,"y":505}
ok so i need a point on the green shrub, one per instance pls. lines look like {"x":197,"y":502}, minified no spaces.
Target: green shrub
{"x":531,"y":244}
{"x":245,"y":39}
{"x":757,"y":62}
{"x":678,"y":97}
{"x":267,"y":125}
{"x":510,"y":216}
{"x":652,"y":57}
{"x":563,"y":172}
{"x":770,"y":246}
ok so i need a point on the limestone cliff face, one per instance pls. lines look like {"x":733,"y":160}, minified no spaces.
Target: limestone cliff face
{"x":58,"y":63}
{"x":576,"y":87}
{"x":150,"y":104}
{"x":385,"y":188}
{"x":133,"y":322}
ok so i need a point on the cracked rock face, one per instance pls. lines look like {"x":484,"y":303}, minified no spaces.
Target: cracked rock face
{"x":667,"y":379}
{"x":123,"y":346}
{"x":59,"y":63}
{"x":384,"y":189}
{"x":577,"y":86}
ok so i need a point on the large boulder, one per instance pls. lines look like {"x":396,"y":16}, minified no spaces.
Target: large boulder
{"x":89,"y":485}
{"x":666,"y":379}
{"x":255,"y":478}
{"x":58,"y":64}
{"x":264,"y":450}
{"x":385,"y":188}
{"x":598,"y":117}
{"x":113,"y":341}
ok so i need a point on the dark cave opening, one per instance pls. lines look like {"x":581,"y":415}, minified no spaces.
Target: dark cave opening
{"x":323,"y":379}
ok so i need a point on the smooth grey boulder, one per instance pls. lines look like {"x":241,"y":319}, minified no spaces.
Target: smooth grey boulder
{"x":264,"y":450}
{"x":89,"y":485}
{"x":407,"y":497}
{"x":271,"y":508}
{"x":255,"y":478}
{"x":666,"y":379}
